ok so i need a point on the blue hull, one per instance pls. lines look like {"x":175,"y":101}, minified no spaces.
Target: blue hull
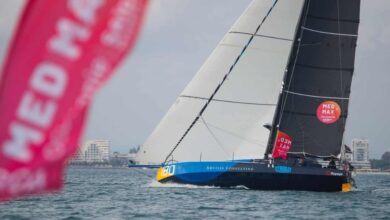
{"x":256,"y":175}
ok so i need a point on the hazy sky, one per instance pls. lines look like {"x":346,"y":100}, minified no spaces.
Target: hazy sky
{"x":178,"y":36}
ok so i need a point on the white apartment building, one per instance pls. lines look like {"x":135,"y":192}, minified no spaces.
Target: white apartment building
{"x":360,"y":154}
{"x":93,"y":151}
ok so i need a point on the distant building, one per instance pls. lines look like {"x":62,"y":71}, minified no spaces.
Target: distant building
{"x":120,"y":159}
{"x":97,"y":151}
{"x":348,"y":156}
{"x":360,"y":154}
{"x":94,"y":151}
{"x":79,"y":156}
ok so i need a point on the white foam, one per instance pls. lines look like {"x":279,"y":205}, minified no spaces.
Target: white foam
{"x":240,"y":187}
{"x":382,"y":190}
{"x":156,"y":184}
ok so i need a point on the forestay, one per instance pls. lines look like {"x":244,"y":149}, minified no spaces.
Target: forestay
{"x":232,"y":124}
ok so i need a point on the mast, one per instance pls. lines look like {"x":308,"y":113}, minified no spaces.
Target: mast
{"x":313,"y":106}
{"x":275,"y":124}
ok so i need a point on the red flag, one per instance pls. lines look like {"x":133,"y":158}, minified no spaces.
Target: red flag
{"x":282,"y":145}
{"x":63,"y":51}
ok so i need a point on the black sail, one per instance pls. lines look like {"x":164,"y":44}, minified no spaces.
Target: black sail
{"x":320,"y":71}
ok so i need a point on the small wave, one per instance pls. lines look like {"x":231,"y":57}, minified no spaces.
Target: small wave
{"x":209,"y":208}
{"x":155,"y":184}
{"x":382,"y":190}
{"x":357,"y":188}
{"x":240,"y":187}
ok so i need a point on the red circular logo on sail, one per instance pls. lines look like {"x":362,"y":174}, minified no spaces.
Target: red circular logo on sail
{"x":328,"y":112}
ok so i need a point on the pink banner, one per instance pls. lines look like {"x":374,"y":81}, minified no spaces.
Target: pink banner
{"x":282,"y":145}
{"x":63,"y":51}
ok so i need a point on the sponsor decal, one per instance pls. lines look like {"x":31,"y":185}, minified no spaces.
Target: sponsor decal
{"x":282,"y":145}
{"x":169,"y":170}
{"x":166,"y":171}
{"x":330,"y":173}
{"x":328,"y":112}
{"x":283,"y":169}
{"x":336,"y":174}
{"x":56,"y":62}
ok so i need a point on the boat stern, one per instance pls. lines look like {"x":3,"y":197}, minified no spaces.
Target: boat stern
{"x":346,"y":187}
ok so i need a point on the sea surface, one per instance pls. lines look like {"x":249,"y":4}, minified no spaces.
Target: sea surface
{"x":133,"y":194}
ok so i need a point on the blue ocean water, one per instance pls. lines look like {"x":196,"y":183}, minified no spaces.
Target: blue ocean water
{"x":133,"y":194}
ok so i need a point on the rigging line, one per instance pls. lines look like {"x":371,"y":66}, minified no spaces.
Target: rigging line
{"x":220,"y":84}
{"x":293,"y":69}
{"x":278,"y":111}
{"x":357,"y":21}
{"x":324,"y":68}
{"x":340,"y":56}
{"x":316,"y":96}
{"x":300,"y":124}
{"x":313,"y":44}
{"x":260,"y":35}
{"x":228,"y":101}
{"x":312,"y":155}
{"x":341,"y":66}
{"x":313,"y":114}
{"x":236,"y":135}
{"x":214,"y":136}
{"x":329,"y":33}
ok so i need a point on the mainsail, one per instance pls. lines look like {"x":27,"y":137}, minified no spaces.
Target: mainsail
{"x":313,"y":106}
{"x":253,"y":55}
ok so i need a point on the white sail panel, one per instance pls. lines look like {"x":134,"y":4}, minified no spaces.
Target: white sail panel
{"x":168,"y":131}
{"x":251,"y":18}
{"x":216,"y":66}
{"x":232,"y":125}
{"x":258,"y":75}
{"x":216,"y":139}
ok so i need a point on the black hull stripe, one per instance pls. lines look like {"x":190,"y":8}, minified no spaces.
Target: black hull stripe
{"x":263,"y":176}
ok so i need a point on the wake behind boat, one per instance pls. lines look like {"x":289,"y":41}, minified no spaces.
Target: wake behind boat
{"x":277,"y":88}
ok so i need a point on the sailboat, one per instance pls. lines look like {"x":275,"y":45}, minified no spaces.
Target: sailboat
{"x":268,"y":108}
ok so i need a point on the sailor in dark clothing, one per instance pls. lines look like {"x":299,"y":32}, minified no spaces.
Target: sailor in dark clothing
{"x":302,"y":162}
{"x":332,"y":164}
